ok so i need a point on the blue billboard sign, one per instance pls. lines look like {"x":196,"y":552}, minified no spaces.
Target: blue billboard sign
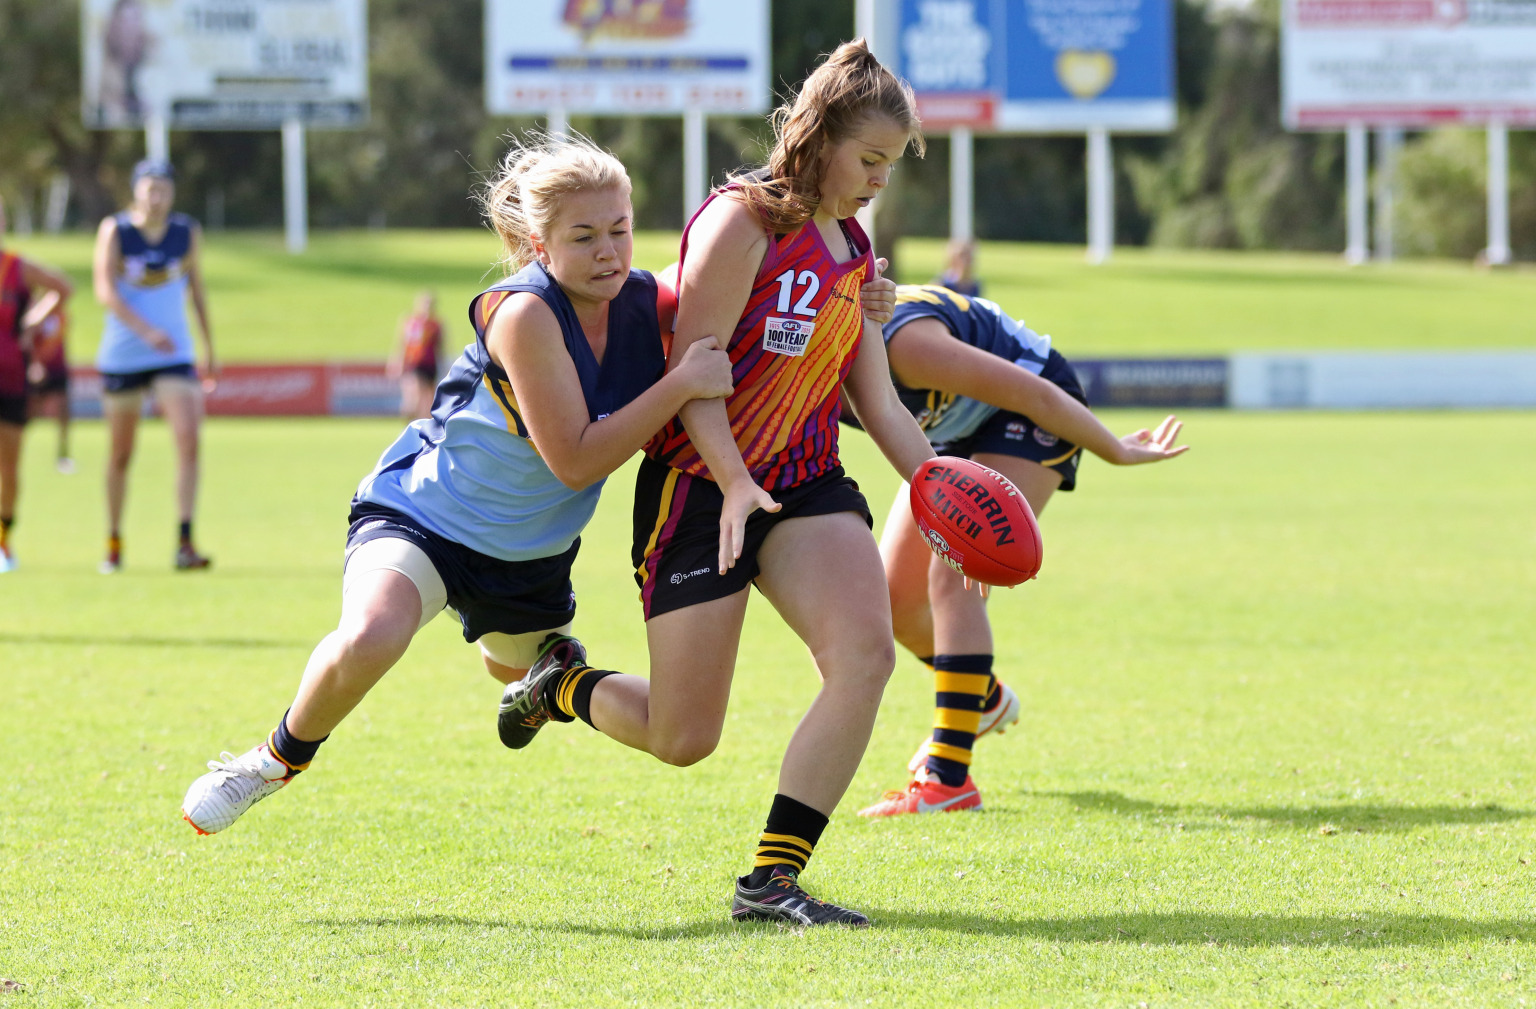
{"x":1040,"y":66}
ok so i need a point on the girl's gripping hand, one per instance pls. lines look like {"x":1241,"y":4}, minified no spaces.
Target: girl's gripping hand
{"x":706,"y":370}
{"x":878,"y":297}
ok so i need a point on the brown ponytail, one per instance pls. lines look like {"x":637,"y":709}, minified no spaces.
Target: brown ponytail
{"x":839,"y":96}
{"x":524,"y":197}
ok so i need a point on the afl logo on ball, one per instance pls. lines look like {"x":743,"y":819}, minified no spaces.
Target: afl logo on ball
{"x":1045,"y":438}
{"x":938,"y":542}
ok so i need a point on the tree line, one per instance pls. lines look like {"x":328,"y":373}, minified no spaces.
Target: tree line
{"x":1230,"y":176}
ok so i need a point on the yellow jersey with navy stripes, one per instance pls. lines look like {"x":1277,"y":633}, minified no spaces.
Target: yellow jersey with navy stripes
{"x":946,"y":417}
{"x":470,"y":473}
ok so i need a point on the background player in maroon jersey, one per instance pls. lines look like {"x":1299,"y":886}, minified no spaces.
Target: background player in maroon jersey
{"x":18,"y":279}
{"x":415,"y":360}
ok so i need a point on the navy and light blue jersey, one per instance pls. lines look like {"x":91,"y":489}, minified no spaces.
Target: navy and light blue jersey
{"x":153,"y":284}
{"x":946,"y":417}
{"x":470,"y":473}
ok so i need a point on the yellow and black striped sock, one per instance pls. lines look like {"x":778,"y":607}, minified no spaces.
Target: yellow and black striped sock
{"x":570,"y":696}
{"x":961,"y":684}
{"x":5,"y":530}
{"x":788,"y":840}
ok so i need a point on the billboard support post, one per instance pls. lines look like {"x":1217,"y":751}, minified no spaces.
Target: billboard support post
{"x":295,"y":187}
{"x":1498,"y":194}
{"x":1389,"y":142}
{"x":157,"y":137}
{"x":961,"y":184}
{"x":695,"y":164}
{"x":1101,"y":196}
{"x":557,"y":123}
{"x":1356,"y":249}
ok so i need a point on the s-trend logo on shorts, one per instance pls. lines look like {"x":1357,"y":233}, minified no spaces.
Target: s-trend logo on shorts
{"x":1045,"y":438}
{"x":787,"y":336}
{"x":683,"y":576}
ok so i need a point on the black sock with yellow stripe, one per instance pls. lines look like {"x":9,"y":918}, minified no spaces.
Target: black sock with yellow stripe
{"x":961,"y":685}
{"x":291,"y":750}
{"x":570,"y":695}
{"x":788,"y":840}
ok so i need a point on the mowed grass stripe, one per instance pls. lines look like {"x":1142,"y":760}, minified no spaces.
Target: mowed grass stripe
{"x":1275,"y":749}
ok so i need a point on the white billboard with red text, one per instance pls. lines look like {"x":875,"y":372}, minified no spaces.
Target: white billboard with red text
{"x":1411,"y":63}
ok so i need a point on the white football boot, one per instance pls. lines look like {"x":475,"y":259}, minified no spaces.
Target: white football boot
{"x":231,"y":786}
{"x":997,"y":720}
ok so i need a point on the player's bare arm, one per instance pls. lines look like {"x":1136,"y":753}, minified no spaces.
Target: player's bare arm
{"x":923,"y":355}
{"x":524,"y":339}
{"x":56,"y":285}
{"x":726,"y":248}
{"x":874,"y":401}
{"x":194,"y":269}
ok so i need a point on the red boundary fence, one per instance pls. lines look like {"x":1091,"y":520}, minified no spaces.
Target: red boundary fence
{"x":337,"y":388}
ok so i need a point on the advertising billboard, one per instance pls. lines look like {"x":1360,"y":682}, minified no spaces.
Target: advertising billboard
{"x":626,"y":57}
{"x":1413,"y":63}
{"x":1040,"y":66}
{"x":224,"y":64}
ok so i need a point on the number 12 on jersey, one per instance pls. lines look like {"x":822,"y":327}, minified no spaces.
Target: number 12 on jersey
{"x":787,"y":281}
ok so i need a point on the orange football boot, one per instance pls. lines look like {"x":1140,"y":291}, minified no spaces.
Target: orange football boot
{"x":926,"y":795}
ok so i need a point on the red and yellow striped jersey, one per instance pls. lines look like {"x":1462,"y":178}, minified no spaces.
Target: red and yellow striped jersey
{"x":791,"y":351}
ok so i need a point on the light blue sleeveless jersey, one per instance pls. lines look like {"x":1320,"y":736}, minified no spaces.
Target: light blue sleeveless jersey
{"x":153,"y":284}
{"x":470,"y":473}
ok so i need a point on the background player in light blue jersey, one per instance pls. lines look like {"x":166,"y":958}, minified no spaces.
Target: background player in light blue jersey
{"x":480,"y":506}
{"x":983,"y":386}
{"x":147,"y":263}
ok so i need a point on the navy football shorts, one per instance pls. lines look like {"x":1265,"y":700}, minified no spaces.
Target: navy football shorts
{"x":1013,"y":434}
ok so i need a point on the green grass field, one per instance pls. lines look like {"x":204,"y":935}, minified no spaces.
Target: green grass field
{"x":1276,"y":751}
{"x":343,"y":299}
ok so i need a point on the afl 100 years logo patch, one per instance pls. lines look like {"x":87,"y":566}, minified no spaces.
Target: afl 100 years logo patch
{"x":787,"y":336}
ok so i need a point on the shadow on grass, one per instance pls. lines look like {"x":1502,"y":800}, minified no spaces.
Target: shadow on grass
{"x":1364,"y":930}
{"x":1344,"y":816}
{"x":141,"y":641}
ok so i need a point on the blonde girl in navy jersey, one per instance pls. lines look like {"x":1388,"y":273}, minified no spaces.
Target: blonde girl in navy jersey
{"x":748,"y":490}
{"x":481,"y":505}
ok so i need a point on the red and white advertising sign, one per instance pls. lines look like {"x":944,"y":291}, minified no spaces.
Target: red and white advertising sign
{"x":1413,"y":63}
{"x":626,"y":57}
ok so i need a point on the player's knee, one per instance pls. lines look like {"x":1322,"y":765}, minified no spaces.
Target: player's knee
{"x":685,"y":749}
{"x":863,"y":661}
{"x":373,"y":642}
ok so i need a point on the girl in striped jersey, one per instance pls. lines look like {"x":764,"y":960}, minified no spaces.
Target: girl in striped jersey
{"x":748,"y":490}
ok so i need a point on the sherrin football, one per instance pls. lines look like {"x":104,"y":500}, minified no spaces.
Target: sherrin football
{"x":976,"y":520}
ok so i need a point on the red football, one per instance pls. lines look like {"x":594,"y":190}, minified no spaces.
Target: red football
{"x":976,"y":519}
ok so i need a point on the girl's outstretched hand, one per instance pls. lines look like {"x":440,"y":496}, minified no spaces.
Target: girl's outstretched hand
{"x":741,"y":499}
{"x":1152,"y":446}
